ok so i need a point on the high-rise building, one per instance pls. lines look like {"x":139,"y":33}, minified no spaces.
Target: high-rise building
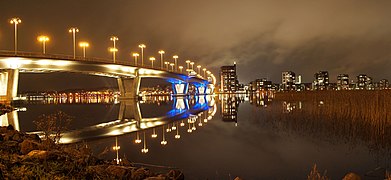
{"x":343,"y":82}
{"x":288,"y":81}
{"x":364,"y":82}
{"x":261,"y":85}
{"x":229,"y":80}
{"x":321,"y":81}
{"x":384,"y":84}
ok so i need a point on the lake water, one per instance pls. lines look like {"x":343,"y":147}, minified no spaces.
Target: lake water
{"x":222,"y":137}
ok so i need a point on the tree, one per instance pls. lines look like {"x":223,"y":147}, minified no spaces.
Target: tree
{"x":53,"y":125}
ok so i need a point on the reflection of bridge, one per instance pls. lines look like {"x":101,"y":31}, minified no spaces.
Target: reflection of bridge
{"x":129,"y":119}
{"x":128,"y":76}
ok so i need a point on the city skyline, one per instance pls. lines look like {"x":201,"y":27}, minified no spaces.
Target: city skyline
{"x":263,"y":37}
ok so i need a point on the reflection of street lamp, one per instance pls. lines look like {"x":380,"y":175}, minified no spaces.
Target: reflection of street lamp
{"x":84,"y":45}
{"x":135,"y":55}
{"x":74,"y":30}
{"x":177,"y":136}
{"x":43,"y":39}
{"x":161,"y":52}
{"x":189,"y":129}
{"x":199,"y":69}
{"x":154,"y":135}
{"x":144,"y":150}
{"x":116,"y":148}
{"x":152,"y":59}
{"x":193,"y":128}
{"x":138,"y":140}
{"x":180,"y":69}
{"x":182,"y":123}
{"x":175,"y":62}
{"x":114,"y":39}
{"x":163,"y":142}
{"x":142,"y":46}
{"x":173,"y":126}
{"x":16,"y":21}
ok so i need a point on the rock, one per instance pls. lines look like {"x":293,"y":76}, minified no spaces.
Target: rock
{"x":38,"y":154}
{"x":3,"y":129}
{"x":139,"y":173}
{"x":9,"y":135}
{"x":119,"y":171}
{"x":28,"y":145}
{"x":351,"y":176}
{"x":157,"y":178}
{"x":10,"y":127}
{"x":33,"y":137}
{"x":17,"y":137}
{"x":99,"y":171}
{"x":175,"y":174}
{"x":10,"y":146}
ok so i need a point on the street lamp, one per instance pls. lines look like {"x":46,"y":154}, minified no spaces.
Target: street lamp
{"x":152,"y":59}
{"x":114,"y":49}
{"x":166,"y":63}
{"x":180,"y":69}
{"x":142,"y":46}
{"x":172,"y":66}
{"x":84,"y":45}
{"x":74,"y":30}
{"x":161,"y":52}
{"x":135,"y":55}
{"x":192,"y":64}
{"x":187,"y":64}
{"x":199,"y":69}
{"x":175,"y":62}
{"x":16,"y":21}
{"x":204,"y":71}
{"x":43,"y":39}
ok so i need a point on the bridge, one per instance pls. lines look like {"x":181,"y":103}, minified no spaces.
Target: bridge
{"x":130,"y":119}
{"x":128,"y":75}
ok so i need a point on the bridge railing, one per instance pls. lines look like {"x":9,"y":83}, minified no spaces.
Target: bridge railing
{"x":80,"y":58}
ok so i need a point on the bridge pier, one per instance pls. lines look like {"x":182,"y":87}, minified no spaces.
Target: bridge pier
{"x":8,"y":84}
{"x":201,"y":90}
{"x":130,"y":109}
{"x":180,"y":89}
{"x":129,"y":87}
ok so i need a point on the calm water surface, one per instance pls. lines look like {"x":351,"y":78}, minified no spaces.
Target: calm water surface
{"x":230,"y":136}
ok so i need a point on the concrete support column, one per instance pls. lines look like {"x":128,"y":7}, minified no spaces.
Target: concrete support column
{"x":9,"y":84}
{"x":180,"y":89}
{"x":129,"y":87}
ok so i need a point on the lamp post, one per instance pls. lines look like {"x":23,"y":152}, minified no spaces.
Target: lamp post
{"x":152,"y":59}
{"x":16,"y":21}
{"x":84,"y":45}
{"x":114,"y":49}
{"x":172,"y":67}
{"x":199,"y":69}
{"x":135,"y":55}
{"x":161,"y":52}
{"x":175,"y":62}
{"x":180,"y":69}
{"x":142,"y":46}
{"x":204,"y":72}
{"x":43,"y":39}
{"x":187,"y":64}
{"x":166,"y":63}
{"x":74,"y":30}
{"x":192,"y":64}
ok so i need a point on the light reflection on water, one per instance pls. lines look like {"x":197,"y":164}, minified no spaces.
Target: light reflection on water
{"x":252,"y":137}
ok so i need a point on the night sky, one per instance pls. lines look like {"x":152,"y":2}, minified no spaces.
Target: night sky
{"x":263,"y":37}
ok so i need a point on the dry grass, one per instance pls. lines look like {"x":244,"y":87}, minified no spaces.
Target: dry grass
{"x":348,"y":115}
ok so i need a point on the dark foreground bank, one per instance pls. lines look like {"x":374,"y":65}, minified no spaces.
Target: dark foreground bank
{"x":26,"y":156}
